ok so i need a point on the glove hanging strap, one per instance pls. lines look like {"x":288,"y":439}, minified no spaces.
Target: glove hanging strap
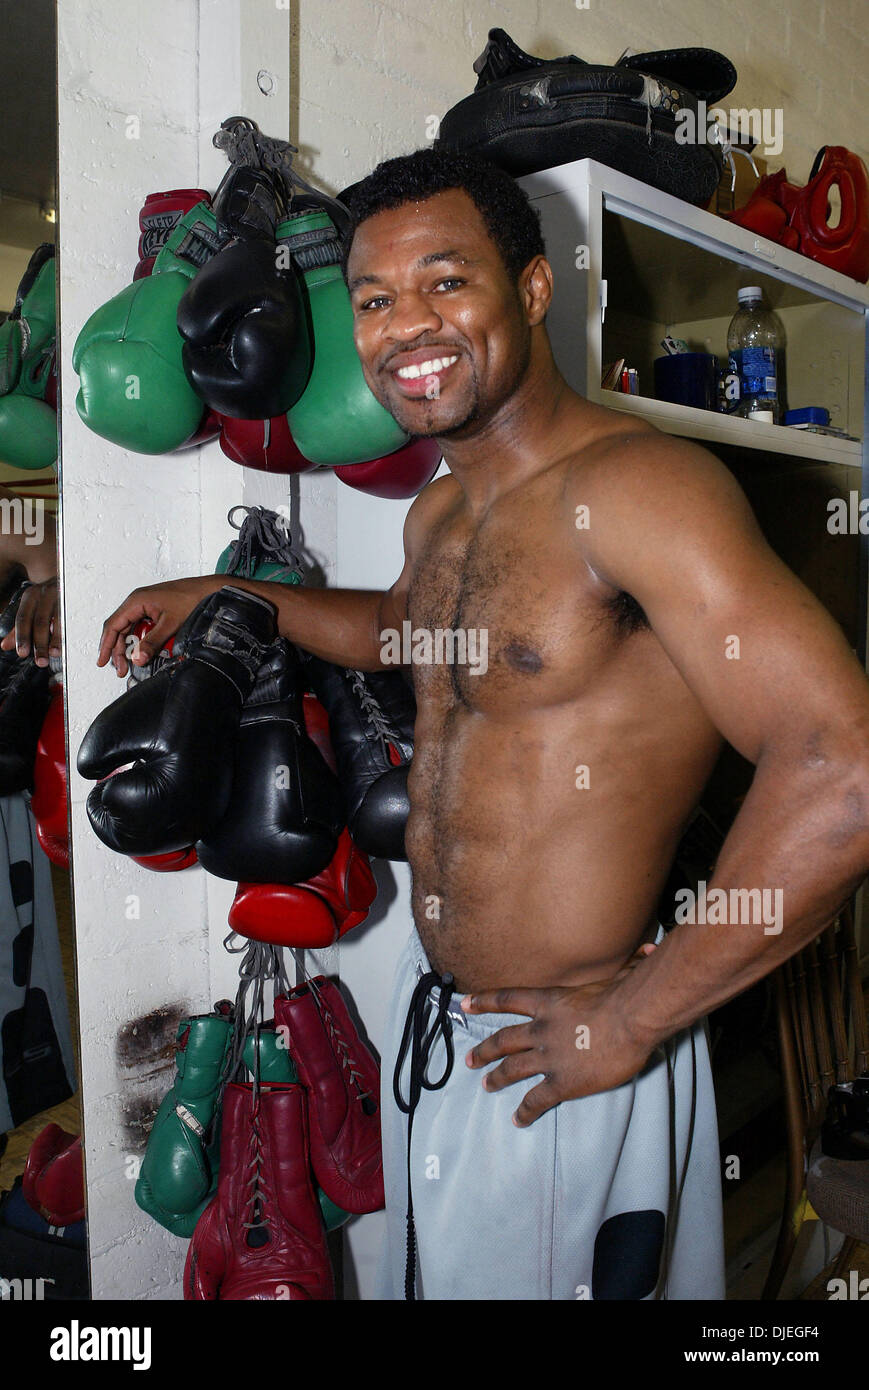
{"x":243,"y":143}
{"x":260,"y":962}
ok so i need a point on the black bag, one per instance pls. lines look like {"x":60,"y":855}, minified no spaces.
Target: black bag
{"x":38,"y":1261}
{"x":527,"y":114}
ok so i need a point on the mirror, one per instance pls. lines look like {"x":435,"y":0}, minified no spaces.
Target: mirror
{"x":42,"y":1233}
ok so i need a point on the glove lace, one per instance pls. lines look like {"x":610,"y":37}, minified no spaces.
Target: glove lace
{"x":259,"y":1194}
{"x":263,"y":538}
{"x":340,"y":1043}
{"x":373,"y":711}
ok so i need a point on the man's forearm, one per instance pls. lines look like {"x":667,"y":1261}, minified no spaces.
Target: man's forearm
{"x":339,"y":625}
{"x":801,"y":843}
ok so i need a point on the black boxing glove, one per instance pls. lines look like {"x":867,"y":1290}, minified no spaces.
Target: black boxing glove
{"x":286,"y":811}
{"x":247,"y":350}
{"x":178,"y":730}
{"x":371,"y":719}
{"x":9,"y":660}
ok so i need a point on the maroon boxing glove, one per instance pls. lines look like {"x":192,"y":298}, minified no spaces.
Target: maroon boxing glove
{"x":53,"y":1179}
{"x":343,"y":1084}
{"x":266,"y":445}
{"x":401,"y":474}
{"x":262,"y":1236}
{"x":49,"y":801}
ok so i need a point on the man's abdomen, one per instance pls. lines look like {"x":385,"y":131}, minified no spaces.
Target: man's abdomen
{"x":539,"y":854}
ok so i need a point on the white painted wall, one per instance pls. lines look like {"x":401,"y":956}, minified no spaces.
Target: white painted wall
{"x":355,"y":82}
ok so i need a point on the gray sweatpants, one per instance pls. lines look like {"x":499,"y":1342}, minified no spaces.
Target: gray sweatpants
{"x":612,"y":1196}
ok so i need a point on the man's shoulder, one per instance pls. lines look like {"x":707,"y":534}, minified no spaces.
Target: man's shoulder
{"x":632,"y":461}
{"x":428,"y":507}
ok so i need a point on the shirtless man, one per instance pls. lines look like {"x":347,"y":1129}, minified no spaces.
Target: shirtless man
{"x":28,"y":551}
{"x":635,"y":616}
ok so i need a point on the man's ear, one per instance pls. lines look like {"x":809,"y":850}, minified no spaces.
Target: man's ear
{"x":535,"y":287}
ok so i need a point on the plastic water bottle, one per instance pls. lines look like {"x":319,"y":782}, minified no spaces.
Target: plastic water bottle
{"x":755,"y":347}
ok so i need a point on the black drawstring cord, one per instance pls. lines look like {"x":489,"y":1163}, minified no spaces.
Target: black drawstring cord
{"x":422,"y":1043}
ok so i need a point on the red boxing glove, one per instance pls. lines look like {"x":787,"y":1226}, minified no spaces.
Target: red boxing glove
{"x":49,"y":802}
{"x":262,"y":1236}
{"x":167,"y":863}
{"x":266,"y":445}
{"x":160,"y":215}
{"x":313,"y":914}
{"x":401,"y":474}
{"x":53,"y":1180}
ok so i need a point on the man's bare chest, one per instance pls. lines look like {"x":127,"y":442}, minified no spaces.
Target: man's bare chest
{"x":522,"y":605}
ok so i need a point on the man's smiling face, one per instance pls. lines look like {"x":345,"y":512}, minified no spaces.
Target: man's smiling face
{"x":439,"y":325}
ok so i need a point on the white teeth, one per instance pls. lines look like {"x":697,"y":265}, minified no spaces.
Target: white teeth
{"x":437,"y":364}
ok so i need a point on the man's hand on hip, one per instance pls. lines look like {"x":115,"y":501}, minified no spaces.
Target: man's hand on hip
{"x":578,"y":1040}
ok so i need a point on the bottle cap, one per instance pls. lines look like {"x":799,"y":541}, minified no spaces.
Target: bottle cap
{"x":749,"y":292}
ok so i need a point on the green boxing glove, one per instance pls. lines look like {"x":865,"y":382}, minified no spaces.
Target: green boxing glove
{"x":28,"y":432}
{"x":178,"y":1176}
{"x":262,"y":549}
{"x":337,"y":420}
{"x":28,"y":426}
{"x":134,"y":390}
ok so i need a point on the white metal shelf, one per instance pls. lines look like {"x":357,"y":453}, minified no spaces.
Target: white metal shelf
{"x":572,"y":199}
{"x":729,"y":429}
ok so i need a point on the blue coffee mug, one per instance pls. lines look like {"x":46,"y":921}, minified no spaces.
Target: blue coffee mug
{"x":688,"y":378}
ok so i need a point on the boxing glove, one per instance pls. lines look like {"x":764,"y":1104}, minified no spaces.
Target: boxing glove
{"x":158,"y":218}
{"x":49,"y":801}
{"x":371,"y":718}
{"x":53,"y":1178}
{"x":402,"y":474}
{"x":246,"y":352}
{"x":28,"y":422}
{"x":262,"y":550}
{"x":134,"y":390}
{"x":9,"y":661}
{"x":169,"y":863}
{"x":178,"y":1176}
{"x":172,"y":738}
{"x":337,"y":420}
{"x":176,"y":859}
{"x":308,"y":915}
{"x":285,"y":812}
{"x":271,"y":1062}
{"x":265,"y":445}
{"x":343,"y":1084}
{"x":262,"y":1236}
{"x":22,"y":713}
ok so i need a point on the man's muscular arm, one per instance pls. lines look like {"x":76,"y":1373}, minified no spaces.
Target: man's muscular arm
{"x":669,"y":525}
{"x":339,"y":625}
{"x":777,"y":678}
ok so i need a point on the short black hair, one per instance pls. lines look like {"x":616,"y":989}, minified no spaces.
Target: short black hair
{"x":511,"y":221}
